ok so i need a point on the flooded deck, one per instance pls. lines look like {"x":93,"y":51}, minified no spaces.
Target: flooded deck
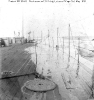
{"x":21,"y":60}
{"x":17,"y":60}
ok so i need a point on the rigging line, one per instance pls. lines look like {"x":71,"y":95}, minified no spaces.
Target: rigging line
{"x":82,"y":64}
{"x":61,"y":46}
{"x":83,"y":48}
{"x":72,"y":57}
{"x":87,"y":35}
{"x":80,"y":47}
{"x":42,"y":41}
{"x":73,"y":62}
{"x":46,"y":37}
{"x":46,"y":44}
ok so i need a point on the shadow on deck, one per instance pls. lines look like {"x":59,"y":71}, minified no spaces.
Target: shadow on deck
{"x":11,"y":89}
{"x":18,"y":61}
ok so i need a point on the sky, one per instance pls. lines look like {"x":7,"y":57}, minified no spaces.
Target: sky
{"x":40,"y":17}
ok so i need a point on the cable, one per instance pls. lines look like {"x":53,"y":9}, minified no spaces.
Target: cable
{"x":87,"y":35}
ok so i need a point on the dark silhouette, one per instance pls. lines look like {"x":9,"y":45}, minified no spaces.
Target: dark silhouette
{"x":92,"y":87}
{"x":11,"y":85}
{"x":2,"y":42}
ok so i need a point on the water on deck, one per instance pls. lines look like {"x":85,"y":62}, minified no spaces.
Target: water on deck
{"x":21,"y":59}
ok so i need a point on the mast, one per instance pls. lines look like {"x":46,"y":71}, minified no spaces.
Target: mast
{"x":69,"y":48}
{"x":92,"y":86}
{"x":36,"y":55}
{"x":77,"y":71}
{"x":57,"y":36}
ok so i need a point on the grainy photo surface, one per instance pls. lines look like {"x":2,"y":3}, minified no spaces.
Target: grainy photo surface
{"x":47,"y":50}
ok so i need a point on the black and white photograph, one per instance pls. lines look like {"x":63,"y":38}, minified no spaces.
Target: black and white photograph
{"x":47,"y":50}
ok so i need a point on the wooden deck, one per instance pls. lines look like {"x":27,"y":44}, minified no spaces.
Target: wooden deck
{"x":17,"y":60}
